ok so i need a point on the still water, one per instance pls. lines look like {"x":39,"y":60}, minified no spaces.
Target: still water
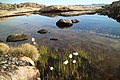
{"x":93,"y":30}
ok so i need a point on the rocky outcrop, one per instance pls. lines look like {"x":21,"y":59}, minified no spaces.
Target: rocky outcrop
{"x":21,"y":5}
{"x":14,"y":68}
{"x":63,"y":8}
{"x":112,"y":10}
{"x":11,"y":10}
{"x":42,"y":31}
{"x":16,"y":37}
{"x":72,"y":10}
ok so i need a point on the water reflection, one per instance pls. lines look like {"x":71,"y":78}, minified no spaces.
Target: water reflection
{"x":50,"y":14}
{"x":62,"y":26}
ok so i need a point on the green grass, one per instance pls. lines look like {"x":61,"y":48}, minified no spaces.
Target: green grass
{"x":66,"y":64}
{"x":83,"y":69}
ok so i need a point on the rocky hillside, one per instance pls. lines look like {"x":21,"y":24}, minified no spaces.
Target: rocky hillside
{"x":112,"y":10}
{"x":21,"y":5}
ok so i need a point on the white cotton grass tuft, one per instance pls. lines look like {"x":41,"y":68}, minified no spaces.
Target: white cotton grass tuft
{"x":34,"y":42}
{"x":65,"y":62}
{"x":51,"y":68}
{"x":75,"y":53}
{"x":70,"y":56}
{"x":74,"y":61}
{"x":33,"y":39}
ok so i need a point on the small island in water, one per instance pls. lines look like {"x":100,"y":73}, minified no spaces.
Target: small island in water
{"x":59,"y":42}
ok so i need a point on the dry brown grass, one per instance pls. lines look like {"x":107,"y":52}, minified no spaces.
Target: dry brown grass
{"x":27,"y":50}
{"x":4,"y":48}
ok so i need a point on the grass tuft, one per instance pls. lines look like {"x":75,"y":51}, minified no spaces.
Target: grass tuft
{"x":4,"y":48}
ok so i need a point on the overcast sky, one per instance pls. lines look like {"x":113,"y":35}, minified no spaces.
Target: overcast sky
{"x":60,"y":2}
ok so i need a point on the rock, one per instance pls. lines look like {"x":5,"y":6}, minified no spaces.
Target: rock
{"x":21,"y":73}
{"x":16,"y":37}
{"x":42,"y":31}
{"x":15,"y":68}
{"x":25,"y":73}
{"x":27,"y":59}
{"x":75,"y":21}
{"x":64,"y":22}
{"x":54,"y":39}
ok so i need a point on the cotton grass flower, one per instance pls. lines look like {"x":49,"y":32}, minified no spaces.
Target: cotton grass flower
{"x":75,"y":53}
{"x":51,"y":68}
{"x":33,"y":39}
{"x":34,"y":42}
{"x":74,"y":61}
{"x":70,"y":56}
{"x":65,"y":62}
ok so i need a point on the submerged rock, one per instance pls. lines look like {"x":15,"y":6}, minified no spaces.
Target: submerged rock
{"x":16,"y":37}
{"x":54,"y":39}
{"x":64,"y":22}
{"x":42,"y":31}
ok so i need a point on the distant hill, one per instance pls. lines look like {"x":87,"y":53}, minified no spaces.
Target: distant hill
{"x":95,"y":4}
{"x":99,"y":4}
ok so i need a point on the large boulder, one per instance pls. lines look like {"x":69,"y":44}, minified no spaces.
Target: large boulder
{"x":15,"y":68}
{"x":17,"y":37}
{"x":64,"y":23}
{"x":21,"y":73}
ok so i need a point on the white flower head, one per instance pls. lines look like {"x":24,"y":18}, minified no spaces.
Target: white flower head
{"x":74,"y":61}
{"x":75,"y":53}
{"x":51,"y":68}
{"x":33,"y":39}
{"x":70,"y":56}
{"x":65,"y":62}
{"x":34,"y":42}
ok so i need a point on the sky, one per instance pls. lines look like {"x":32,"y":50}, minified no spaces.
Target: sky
{"x":60,"y":2}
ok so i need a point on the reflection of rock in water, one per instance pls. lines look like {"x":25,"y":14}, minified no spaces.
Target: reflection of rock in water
{"x":63,"y":27}
{"x":50,"y":14}
{"x":3,"y":19}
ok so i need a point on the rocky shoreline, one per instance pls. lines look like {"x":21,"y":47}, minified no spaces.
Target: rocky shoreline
{"x":30,"y":8}
{"x":112,"y":10}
